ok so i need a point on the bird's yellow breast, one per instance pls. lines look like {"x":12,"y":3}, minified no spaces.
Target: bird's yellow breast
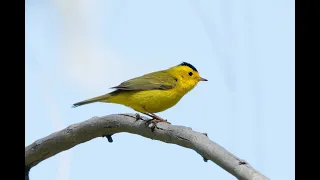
{"x":151,"y":101}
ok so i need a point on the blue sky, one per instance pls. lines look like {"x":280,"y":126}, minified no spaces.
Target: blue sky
{"x":78,"y":49}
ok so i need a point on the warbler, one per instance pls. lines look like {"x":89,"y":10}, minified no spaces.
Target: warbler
{"x":154,"y":92}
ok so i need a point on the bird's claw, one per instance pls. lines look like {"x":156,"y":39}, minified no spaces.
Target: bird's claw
{"x":155,"y":121}
{"x":152,"y":123}
{"x":159,"y":120}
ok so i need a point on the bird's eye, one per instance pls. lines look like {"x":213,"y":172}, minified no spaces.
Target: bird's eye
{"x":190,"y":73}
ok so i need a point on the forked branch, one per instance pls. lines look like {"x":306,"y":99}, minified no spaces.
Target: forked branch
{"x":108,"y":125}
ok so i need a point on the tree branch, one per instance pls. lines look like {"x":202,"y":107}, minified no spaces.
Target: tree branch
{"x":108,"y":125}
{"x":26,"y":173}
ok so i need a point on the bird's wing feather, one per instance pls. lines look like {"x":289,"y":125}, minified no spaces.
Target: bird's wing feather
{"x":155,"y":80}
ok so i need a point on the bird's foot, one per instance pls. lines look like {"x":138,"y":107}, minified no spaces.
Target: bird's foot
{"x":152,"y":123}
{"x":156,"y":119}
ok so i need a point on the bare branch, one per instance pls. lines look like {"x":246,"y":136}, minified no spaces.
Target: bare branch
{"x":108,"y":125}
{"x":26,"y":173}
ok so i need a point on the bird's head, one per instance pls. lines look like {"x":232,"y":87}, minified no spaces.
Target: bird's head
{"x":187,"y":75}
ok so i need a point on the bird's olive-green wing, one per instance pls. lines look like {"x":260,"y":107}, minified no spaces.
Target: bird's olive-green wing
{"x":155,"y":80}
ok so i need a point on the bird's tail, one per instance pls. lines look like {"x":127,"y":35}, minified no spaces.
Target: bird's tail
{"x":102,"y":98}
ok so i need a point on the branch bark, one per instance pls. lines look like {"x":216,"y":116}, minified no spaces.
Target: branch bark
{"x":108,"y":125}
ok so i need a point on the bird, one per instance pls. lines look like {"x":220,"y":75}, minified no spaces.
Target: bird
{"x":153,"y":92}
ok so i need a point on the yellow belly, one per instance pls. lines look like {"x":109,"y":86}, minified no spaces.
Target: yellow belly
{"x":151,"y":101}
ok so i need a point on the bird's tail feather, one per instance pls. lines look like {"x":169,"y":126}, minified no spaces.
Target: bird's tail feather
{"x":92,"y":100}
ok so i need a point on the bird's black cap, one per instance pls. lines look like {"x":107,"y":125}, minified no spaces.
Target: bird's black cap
{"x":189,"y":65}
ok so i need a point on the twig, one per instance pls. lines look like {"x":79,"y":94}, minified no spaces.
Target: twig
{"x":108,"y":125}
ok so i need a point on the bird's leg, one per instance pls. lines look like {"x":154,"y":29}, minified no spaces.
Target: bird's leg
{"x":148,"y":115}
{"x":157,"y":119}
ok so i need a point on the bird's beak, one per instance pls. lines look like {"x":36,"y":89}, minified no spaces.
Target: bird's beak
{"x":202,"y":79}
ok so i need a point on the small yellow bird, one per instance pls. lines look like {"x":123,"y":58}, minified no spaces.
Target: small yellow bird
{"x":153,"y":92}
